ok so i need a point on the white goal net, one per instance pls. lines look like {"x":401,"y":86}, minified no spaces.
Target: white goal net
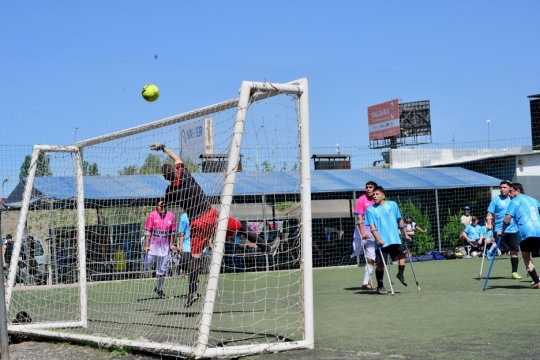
{"x":84,"y":211}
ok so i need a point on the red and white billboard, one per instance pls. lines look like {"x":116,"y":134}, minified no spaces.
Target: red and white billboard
{"x":383,"y":120}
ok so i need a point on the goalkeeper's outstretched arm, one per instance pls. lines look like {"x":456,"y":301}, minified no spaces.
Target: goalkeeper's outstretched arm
{"x":158,"y":146}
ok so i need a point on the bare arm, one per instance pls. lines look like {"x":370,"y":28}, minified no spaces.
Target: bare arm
{"x":147,"y":242}
{"x":376,"y":235}
{"x":403,"y":229}
{"x":360,"y":225}
{"x":158,"y":146}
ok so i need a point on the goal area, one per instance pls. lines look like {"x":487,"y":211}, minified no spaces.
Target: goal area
{"x":83,"y":213}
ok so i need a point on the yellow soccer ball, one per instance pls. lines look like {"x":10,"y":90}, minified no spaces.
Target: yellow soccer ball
{"x":150,"y":92}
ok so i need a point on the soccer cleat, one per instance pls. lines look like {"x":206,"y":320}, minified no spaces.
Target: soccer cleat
{"x":367,"y":287}
{"x":402,"y":279}
{"x":160,"y":293}
{"x":273,"y":247}
{"x":516,"y":276}
{"x":192,"y":299}
{"x":382,"y":291}
{"x":535,"y":286}
{"x":489,"y":254}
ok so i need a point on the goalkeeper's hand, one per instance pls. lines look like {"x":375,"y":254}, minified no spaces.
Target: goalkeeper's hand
{"x":158,"y":147}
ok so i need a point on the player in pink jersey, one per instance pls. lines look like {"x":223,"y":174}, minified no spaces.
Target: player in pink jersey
{"x":363,"y":240}
{"x":159,"y":235}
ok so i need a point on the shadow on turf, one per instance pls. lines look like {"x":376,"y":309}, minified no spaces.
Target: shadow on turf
{"x":516,"y":286}
{"x":358,"y":290}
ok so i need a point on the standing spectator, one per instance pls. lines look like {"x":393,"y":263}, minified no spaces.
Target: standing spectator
{"x":186,"y":193}
{"x":496,"y":213}
{"x":523,"y":210}
{"x":7,"y":249}
{"x":159,"y":229}
{"x":410,"y":228}
{"x":363,"y":238}
{"x":466,"y":218}
{"x":119,"y":259}
{"x":383,"y":218}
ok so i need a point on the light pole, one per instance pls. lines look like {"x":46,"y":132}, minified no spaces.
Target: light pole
{"x":488,"y":122}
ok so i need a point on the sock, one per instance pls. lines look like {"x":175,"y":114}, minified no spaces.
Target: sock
{"x":534,"y":275}
{"x":194,"y":275}
{"x":514,"y":261}
{"x":401,"y":268}
{"x":493,"y":247}
{"x":379,"y":274}
{"x":160,"y":281}
{"x":367,"y":273}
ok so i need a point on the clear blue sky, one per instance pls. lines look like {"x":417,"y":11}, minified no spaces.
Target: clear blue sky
{"x":67,"y":65}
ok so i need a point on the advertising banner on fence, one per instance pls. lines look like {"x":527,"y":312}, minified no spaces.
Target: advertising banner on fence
{"x":383,"y":120}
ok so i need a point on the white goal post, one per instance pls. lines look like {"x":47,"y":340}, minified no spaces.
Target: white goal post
{"x":83,"y":213}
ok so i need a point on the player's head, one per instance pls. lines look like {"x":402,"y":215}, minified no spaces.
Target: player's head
{"x":466,"y":209}
{"x":379,"y":194}
{"x":370,"y":187}
{"x":168,"y":172}
{"x":474,"y":220}
{"x":161,"y":206}
{"x":517,"y":189}
{"x":9,"y":237}
{"x":408,"y":219}
{"x":504,"y":187}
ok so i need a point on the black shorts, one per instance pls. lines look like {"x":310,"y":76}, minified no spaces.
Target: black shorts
{"x":530,"y":244}
{"x":509,"y":241}
{"x":395,"y":251}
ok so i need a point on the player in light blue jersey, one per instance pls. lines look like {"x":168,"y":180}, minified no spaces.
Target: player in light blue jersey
{"x":383,"y":218}
{"x":524,"y":211}
{"x":181,"y":256}
{"x":495,"y":216}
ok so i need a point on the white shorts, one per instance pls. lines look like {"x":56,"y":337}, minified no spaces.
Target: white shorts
{"x":162,"y":263}
{"x":363,"y":245}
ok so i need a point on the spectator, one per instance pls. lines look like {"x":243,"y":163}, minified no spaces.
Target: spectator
{"x":466,"y":218}
{"x":119,"y":259}
{"x":472,"y":234}
{"x":410,"y":228}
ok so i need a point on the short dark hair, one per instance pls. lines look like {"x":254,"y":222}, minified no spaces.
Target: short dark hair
{"x":507,"y":182}
{"x":518,"y":187}
{"x":380,"y":189}
{"x":9,"y":236}
{"x":168,"y":172}
{"x":370,"y":182}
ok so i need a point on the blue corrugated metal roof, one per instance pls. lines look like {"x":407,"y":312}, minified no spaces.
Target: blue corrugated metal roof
{"x":121,"y":187}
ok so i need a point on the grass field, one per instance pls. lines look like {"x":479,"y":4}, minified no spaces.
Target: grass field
{"x":449,"y":318}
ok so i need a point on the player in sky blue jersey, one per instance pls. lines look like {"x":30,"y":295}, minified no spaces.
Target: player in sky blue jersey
{"x":523,"y":210}
{"x":383,"y":218}
{"x":494,"y":219}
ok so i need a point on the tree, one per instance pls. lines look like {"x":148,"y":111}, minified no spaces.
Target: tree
{"x":90,"y":169}
{"x":129,"y":170}
{"x":42,"y":167}
{"x":152,"y":165}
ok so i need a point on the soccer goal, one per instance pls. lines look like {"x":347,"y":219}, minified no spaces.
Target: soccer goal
{"x":82,"y":217}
